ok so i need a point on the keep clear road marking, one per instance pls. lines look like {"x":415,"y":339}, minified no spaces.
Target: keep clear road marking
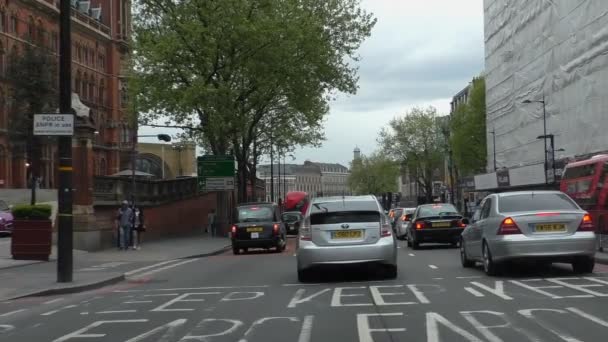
{"x":474,"y":292}
{"x":149,"y":267}
{"x":165,"y":268}
{"x":412,"y":254}
{"x":53,"y":301}
{"x":11,"y":313}
{"x":433,"y":267}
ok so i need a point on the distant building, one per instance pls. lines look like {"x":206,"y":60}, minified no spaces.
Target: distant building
{"x":317,"y":179}
{"x":166,"y":161}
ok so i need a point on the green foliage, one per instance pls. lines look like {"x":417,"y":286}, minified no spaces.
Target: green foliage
{"x":375,"y":174}
{"x":242,"y":69}
{"x":416,"y":140}
{"x":32,"y":212}
{"x":468,"y":131}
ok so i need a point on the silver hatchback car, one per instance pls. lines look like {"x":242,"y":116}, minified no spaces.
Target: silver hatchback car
{"x":346,"y":230}
{"x":545,"y":226}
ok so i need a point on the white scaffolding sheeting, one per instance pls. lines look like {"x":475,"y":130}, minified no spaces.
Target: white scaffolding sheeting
{"x":558,"y":49}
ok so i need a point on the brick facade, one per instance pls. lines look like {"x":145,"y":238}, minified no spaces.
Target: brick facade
{"x":99,"y":51}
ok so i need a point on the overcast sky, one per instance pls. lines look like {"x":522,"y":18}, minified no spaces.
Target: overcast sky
{"x":420,"y":53}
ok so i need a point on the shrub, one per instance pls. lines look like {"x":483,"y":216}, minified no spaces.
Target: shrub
{"x":32,"y":212}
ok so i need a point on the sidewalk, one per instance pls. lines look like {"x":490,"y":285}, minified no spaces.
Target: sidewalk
{"x":96,"y":269}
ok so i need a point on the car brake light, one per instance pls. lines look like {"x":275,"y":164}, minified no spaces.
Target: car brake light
{"x":462,"y":224}
{"x":420,"y":225}
{"x":306,"y":231}
{"x":586,"y":224}
{"x":385,"y":230}
{"x":233,"y":230}
{"x":275,"y":228}
{"x":508,"y":227}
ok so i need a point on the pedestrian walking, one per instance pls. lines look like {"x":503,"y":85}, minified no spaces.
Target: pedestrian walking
{"x":140,"y":227}
{"x":124,"y":220}
{"x":211,"y":223}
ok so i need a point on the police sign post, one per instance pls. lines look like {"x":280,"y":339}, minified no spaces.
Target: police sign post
{"x":54,"y":124}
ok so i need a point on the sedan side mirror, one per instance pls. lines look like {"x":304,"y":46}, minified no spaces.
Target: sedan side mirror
{"x":407,"y":218}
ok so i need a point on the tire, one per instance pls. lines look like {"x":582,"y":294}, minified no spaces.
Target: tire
{"x":489,"y":266}
{"x":391,"y":272}
{"x":407,"y":238}
{"x":415,"y":244}
{"x":235,"y":250}
{"x":583,"y":265}
{"x":466,"y":262}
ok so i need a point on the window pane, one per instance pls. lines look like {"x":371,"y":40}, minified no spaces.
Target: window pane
{"x":535,"y":202}
{"x":342,"y":217}
{"x":437,"y":210}
{"x":579,"y":171}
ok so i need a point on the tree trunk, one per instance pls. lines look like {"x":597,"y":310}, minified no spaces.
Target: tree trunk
{"x":242,"y":180}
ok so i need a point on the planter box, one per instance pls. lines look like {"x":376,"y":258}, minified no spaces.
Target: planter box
{"x":32,"y":239}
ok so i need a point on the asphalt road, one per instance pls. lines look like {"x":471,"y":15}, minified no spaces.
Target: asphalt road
{"x":256,"y":297}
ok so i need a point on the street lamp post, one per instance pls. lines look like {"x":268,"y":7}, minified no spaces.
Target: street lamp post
{"x":494,"y":147}
{"x":544,"y":133}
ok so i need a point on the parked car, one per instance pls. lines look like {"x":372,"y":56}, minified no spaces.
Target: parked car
{"x":292,"y":221}
{"x":346,"y":230}
{"x":258,"y":225}
{"x":436,"y":223}
{"x":546,"y":226}
{"x":6,"y":219}
{"x":403,"y":223}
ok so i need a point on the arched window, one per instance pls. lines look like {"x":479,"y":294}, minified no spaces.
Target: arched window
{"x":85,"y":87}
{"x":14,"y":26}
{"x":2,"y":60}
{"x":92,"y":89}
{"x":41,"y":35}
{"x":78,"y":83}
{"x":2,"y":20}
{"x":102,"y":92}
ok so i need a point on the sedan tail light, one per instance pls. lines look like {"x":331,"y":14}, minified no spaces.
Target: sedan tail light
{"x":233,"y":231}
{"x":462,"y":224}
{"x":586,"y":224}
{"x":386,"y":230}
{"x":275,"y":229}
{"x":306,"y":230}
{"x":508,"y":227}
{"x":420,"y":225}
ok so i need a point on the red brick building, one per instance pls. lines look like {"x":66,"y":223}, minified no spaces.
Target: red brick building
{"x":100,"y":49}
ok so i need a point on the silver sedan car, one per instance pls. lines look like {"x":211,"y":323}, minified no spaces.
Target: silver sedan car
{"x":404,"y":222}
{"x":346,"y":230}
{"x":545,"y":226}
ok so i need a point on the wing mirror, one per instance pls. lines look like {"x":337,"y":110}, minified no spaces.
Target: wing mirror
{"x":406,"y":218}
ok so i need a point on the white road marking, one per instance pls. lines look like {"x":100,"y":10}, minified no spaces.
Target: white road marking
{"x":116,"y":311}
{"x":301,"y":284}
{"x":474,"y":292}
{"x":162,"y":295}
{"x":437,"y":278}
{"x":54,"y":301}
{"x":12,"y":313}
{"x":156,"y":270}
{"x":306,"y":332}
{"x":84,"y":313}
{"x":139,"y":301}
{"x":214,"y":288}
{"x":364,"y":329}
{"x":419,"y":295}
{"x":56,"y":311}
{"x":589,"y":317}
{"x":470,"y":277}
{"x":433,"y":267}
{"x":149,"y":267}
{"x":412,"y":254}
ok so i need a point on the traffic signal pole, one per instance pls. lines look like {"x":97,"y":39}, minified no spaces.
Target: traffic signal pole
{"x":64,"y":194}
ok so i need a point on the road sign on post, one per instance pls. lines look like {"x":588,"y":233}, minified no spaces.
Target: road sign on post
{"x":54,"y":124}
{"x":216,"y":173}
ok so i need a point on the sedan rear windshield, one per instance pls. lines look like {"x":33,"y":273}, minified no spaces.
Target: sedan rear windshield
{"x":254,"y":214}
{"x":438,"y":210}
{"x":535,"y":202}
{"x":345,"y":217}
{"x":347,"y":205}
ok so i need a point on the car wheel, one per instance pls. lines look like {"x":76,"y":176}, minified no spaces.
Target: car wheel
{"x":407,"y":238}
{"x":415,"y":244}
{"x":489,"y":266}
{"x":466,"y":262}
{"x":391,"y":271}
{"x":583,"y":265}
{"x":235,"y":250}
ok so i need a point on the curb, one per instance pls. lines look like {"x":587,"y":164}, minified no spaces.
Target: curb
{"x":109,"y":281}
{"x":74,"y":289}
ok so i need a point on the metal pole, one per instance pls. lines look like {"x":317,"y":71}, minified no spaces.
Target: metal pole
{"x":494,"y":146}
{"x":553,"y":156}
{"x":279,"y":171}
{"x":65,"y":266}
{"x":162,"y":159}
{"x":284,"y":175}
{"x":545,"y":139}
{"x":133,"y":151}
{"x":271,"y":171}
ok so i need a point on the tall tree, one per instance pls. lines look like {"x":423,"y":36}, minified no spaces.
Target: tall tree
{"x":468,"y":131}
{"x":374,"y":175}
{"x":32,"y":75}
{"x":234,"y":67}
{"x":416,"y":141}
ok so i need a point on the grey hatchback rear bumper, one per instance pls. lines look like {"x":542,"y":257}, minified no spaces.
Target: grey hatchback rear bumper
{"x":309,"y":254}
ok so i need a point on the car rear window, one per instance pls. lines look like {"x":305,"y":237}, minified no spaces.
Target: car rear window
{"x":254,"y":214}
{"x":438,"y":210}
{"x":535,"y":202}
{"x":291,"y":217}
{"x":343,"y":217}
{"x":337,"y":206}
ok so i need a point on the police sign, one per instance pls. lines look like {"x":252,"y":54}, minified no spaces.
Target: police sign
{"x":54,"y":124}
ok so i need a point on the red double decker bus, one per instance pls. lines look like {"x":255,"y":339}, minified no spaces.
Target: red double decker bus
{"x":296,"y":201}
{"x":586,"y":182}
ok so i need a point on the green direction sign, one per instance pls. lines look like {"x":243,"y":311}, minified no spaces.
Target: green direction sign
{"x":215,"y":172}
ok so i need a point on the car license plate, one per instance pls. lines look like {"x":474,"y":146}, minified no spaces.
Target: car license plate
{"x":441,"y":224}
{"x":347,"y":234}
{"x":255,"y":235}
{"x":550,"y":228}
{"x":255,"y":229}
